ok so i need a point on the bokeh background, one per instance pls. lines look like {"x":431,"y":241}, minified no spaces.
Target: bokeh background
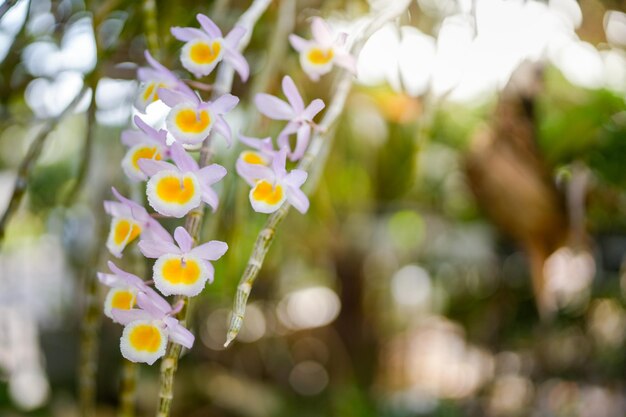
{"x":464,"y":250}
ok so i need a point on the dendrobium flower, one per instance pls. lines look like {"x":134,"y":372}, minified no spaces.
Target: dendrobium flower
{"x":263,"y":156}
{"x":145,"y":143}
{"x":272,"y":186}
{"x":206,"y":47}
{"x":152,"y":79}
{"x":175,"y":189}
{"x":129,"y":220}
{"x":180,"y":268}
{"x":148,"y":328}
{"x":190,"y":119}
{"x":317,"y":56}
{"x":124,"y":289}
{"x":300,"y":118}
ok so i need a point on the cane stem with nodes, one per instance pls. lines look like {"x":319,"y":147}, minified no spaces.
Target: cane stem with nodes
{"x":193,"y":222}
{"x":321,"y":138}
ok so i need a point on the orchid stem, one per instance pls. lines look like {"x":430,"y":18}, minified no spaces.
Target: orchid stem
{"x":151,"y":27}
{"x":321,"y":138}
{"x":193,"y":222}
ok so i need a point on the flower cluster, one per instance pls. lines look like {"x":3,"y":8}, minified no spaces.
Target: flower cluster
{"x":175,"y":185}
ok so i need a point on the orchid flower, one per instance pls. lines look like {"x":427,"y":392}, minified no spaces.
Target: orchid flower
{"x":152,"y":79}
{"x":129,"y":220}
{"x":300,"y":118}
{"x":146,"y":143}
{"x":148,"y":328}
{"x":180,"y":268}
{"x":190,"y":119}
{"x":263,"y":156}
{"x":317,"y":56}
{"x":124,"y":289}
{"x":175,"y":189}
{"x":206,"y":47}
{"x":272,"y":186}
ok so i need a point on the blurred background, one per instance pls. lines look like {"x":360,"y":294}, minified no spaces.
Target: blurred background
{"x":464,"y":250}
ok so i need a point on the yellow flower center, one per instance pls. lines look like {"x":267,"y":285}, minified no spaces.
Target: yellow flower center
{"x":125,"y":231}
{"x":320,"y":56}
{"x":174,"y":190}
{"x":175,"y":271}
{"x":250,"y":157}
{"x":264,"y":191}
{"x":152,"y":88}
{"x":205,"y":53}
{"x":190,"y":121}
{"x":123,"y":299}
{"x":145,"y":337}
{"x":145,"y":152}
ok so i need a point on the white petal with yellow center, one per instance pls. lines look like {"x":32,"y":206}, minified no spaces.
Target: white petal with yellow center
{"x":120,"y":298}
{"x":173,"y":194}
{"x":266,"y":197}
{"x":175,"y":274}
{"x":130,"y":163}
{"x":317,"y":59}
{"x":200,"y":56}
{"x":148,"y":94}
{"x":143,"y":341}
{"x":254,"y":158}
{"x":189,"y":124}
{"x":123,"y":231}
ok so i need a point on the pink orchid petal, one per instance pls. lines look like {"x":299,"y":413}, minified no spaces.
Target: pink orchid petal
{"x":130,"y":279}
{"x":173,"y":98}
{"x":131,"y":137}
{"x":209,"y":26}
{"x":210,"y":197}
{"x":153,"y":303}
{"x":222,"y":127}
{"x":182,"y":159}
{"x":292,"y":94}
{"x":302,"y":142}
{"x":278,"y":164}
{"x":313,"y":108}
{"x":224,"y":103}
{"x":255,"y":143}
{"x":235,"y":36}
{"x":151,"y":167}
{"x":211,"y":174}
{"x":110,"y":280}
{"x":297,"y":199}
{"x":238,"y":62}
{"x":183,"y":239}
{"x":154,"y":63}
{"x":296,"y":178}
{"x":156,"y":248}
{"x":179,"y":334}
{"x":346,"y":61}
{"x":211,"y":251}
{"x":321,"y":31}
{"x":154,"y":231}
{"x":253,"y":172}
{"x":187,"y":34}
{"x":128,"y":316}
{"x":116,"y":209}
{"x":298,"y":43}
{"x":273,"y":107}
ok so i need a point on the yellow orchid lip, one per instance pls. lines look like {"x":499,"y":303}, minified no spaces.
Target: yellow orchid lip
{"x":123,"y":231}
{"x":254,"y":158}
{"x":143,"y":341}
{"x":265,"y":192}
{"x":173,"y":189}
{"x":145,"y":152}
{"x":183,"y":275}
{"x":120,"y":298}
{"x":205,"y":52}
{"x":189,"y":120}
{"x":145,"y":337}
{"x":173,"y":193}
{"x":320,"y":56}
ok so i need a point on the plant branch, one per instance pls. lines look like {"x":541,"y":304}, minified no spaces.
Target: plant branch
{"x":30,"y":159}
{"x":324,"y":134}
